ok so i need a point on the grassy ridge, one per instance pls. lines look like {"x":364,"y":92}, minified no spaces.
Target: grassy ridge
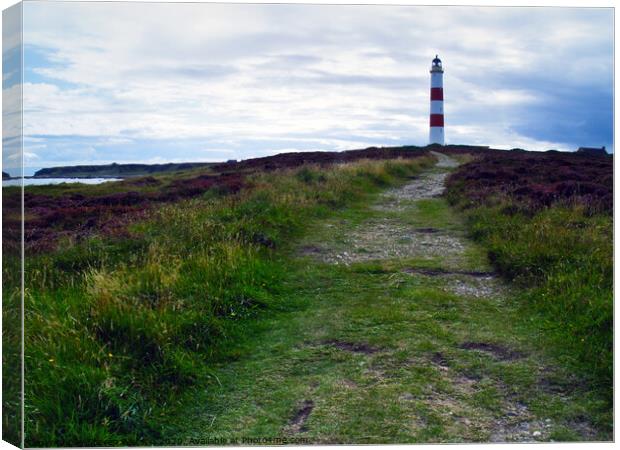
{"x":560,"y":248}
{"x":116,"y":327}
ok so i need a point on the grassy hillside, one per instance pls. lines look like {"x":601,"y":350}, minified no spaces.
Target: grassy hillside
{"x":76,"y":211}
{"x":121,"y":320}
{"x":136,"y":287}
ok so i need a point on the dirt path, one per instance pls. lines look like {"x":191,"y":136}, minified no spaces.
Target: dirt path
{"x":390,"y":234}
{"x":402,"y":333}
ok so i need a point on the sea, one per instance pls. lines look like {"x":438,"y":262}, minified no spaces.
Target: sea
{"x":44,"y":181}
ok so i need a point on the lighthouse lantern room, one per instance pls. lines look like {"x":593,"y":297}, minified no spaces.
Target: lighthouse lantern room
{"x":436,"y":135}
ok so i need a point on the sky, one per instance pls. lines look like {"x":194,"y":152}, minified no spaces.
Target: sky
{"x":139,"y":82}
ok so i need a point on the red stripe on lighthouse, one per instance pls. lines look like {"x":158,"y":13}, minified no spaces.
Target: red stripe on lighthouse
{"x":436,"y":94}
{"x":436,"y":120}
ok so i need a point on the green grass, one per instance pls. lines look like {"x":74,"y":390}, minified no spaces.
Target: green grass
{"x":395,"y":394}
{"x":117,"y":330}
{"x":563,"y":257}
{"x":11,"y":358}
{"x":205,"y":324}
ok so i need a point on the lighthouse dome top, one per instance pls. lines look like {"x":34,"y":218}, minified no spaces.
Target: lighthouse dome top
{"x":437,"y":65}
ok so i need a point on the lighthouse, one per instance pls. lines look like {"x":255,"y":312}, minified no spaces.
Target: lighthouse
{"x":436,"y":132}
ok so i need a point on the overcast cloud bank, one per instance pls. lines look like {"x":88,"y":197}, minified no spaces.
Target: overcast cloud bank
{"x":136,"y":82}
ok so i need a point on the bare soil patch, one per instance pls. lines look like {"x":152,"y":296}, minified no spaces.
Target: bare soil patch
{"x":385,"y":239}
{"x":427,"y":230}
{"x":464,"y":283}
{"x":440,"y":361}
{"x":444,"y":272}
{"x":476,"y":287}
{"x":353,"y":347}
{"x":498,"y":351}
{"x":399,"y":199}
{"x":518,"y":424}
{"x":298,"y":423}
{"x":444,"y":161}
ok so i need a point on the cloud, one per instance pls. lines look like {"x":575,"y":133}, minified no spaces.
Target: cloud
{"x":120,"y":81}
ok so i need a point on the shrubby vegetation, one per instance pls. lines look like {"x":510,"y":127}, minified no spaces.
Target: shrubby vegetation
{"x":546,"y":220}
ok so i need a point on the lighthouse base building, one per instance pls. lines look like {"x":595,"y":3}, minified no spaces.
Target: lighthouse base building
{"x":436,"y":134}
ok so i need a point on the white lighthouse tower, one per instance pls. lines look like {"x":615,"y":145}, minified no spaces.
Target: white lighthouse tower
{"x":436,"y":132}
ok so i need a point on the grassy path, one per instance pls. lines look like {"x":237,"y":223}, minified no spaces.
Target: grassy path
{"x":396,"y":331}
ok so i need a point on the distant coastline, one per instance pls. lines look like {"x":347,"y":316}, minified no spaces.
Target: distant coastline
{"x":115,"y":170}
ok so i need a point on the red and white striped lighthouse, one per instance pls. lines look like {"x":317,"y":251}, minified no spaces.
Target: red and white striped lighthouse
{"x":436,"y":133}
